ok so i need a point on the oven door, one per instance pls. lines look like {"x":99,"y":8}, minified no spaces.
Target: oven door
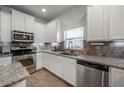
{"x":27,"y":61}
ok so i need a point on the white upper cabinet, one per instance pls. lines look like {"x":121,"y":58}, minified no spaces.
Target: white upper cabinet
{"x":5,"y":27}
{"x":22,"y":21}
{"x":53,"y":31}
{"x":40,"y":32}
{"x":18,"y":20}
{"x":30,"y":24}
{"x":116,"y":22}
{"x":105,"y":23}
{"x":96,"y":23}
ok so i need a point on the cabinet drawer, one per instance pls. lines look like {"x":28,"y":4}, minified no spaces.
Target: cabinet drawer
{"x":4,"y":59}
{"x":69,"y":60}
{"x":5,"y":63}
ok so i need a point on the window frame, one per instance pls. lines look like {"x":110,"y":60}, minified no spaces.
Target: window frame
{"x":65,"y":38}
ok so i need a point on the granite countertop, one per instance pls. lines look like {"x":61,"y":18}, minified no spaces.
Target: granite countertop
{"x":12,"y":73}
{"x":108,"y":61}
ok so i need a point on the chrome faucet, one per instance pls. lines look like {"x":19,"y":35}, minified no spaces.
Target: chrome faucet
{"x":70,"y":42}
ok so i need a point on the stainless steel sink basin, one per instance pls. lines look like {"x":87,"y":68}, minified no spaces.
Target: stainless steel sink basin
{"x":71,"y":54}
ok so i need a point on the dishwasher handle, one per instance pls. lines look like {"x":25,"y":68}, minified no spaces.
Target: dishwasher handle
{"x":103,"y":75}
{"x":93,"y":65}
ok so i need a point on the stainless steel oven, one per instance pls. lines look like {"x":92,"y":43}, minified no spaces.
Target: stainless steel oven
{"x":18,"y":36}
{"x":22,"y":52}
{"x":27,"y":60}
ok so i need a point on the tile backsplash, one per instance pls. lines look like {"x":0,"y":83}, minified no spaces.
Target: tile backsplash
{"x":108,"y":49}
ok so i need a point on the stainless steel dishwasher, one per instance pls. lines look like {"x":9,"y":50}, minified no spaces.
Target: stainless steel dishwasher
{"x":92,"y":75}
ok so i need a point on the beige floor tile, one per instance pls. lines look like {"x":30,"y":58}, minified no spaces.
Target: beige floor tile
{"x":44,"y":78}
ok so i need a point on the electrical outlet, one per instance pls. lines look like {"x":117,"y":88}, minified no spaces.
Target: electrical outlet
{"x":98,"y":47}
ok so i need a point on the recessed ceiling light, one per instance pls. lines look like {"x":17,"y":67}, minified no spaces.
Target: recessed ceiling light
{"x":43,"y":10}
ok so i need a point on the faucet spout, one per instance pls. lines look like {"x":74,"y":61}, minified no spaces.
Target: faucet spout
{"x":70,"y":42}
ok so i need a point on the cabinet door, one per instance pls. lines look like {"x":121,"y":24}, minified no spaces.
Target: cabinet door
{"x":59,"y":66}
{"x":116,"y":21}
{"x":96,"y":23}
{"x":5,"y":60}
{"x":49,"y":62}
{"x":46,"y":61}
{"x":30,"y":24}
{"x":18,"y":20}
{"x":69,"y":70}
{"x":40,"y":32}
{"x":116,"y":77}
{"x":51,"y":32}
{"x":60,"y":33}
{"x":52,"y":59}
{"x":39,"y":61}
{"x":5,"y":27}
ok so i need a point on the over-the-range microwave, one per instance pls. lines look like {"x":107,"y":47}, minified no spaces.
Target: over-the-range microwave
{"x":19,"y":36}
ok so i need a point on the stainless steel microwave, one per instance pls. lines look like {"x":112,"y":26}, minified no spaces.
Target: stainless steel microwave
{"x":18,"y":36}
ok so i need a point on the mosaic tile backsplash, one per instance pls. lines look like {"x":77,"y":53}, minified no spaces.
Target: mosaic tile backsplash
{"x":108,"y":49}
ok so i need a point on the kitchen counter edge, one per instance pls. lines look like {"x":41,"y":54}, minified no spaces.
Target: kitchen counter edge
{"x":108,"y":61}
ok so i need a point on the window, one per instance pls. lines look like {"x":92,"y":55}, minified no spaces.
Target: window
{"x":76,"y":36}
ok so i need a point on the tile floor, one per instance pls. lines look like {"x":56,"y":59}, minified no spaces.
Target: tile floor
{"x":44,"y":78}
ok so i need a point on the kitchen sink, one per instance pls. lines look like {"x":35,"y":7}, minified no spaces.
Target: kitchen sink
{"x":71,"y":54}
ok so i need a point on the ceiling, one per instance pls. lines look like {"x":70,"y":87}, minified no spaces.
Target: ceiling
{"x":53,"y":11}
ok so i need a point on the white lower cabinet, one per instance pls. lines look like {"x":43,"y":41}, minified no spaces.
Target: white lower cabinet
{"x":59,"y":66}
{"x":5,"y":60}
{"x":63,"y":67}
{"x":49,"y":62}
{"x":39,"y":61}
{"x":69,"y":70}
{"x":46,"y":60}
{"x":116,"y":77}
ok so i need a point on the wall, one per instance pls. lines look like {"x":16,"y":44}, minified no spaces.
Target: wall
{"x":8,"y":9}
{"x":73,"y":18}
{"x":5,"y":8}
{"x":40,"y":20}
{"x":109,"y":49}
